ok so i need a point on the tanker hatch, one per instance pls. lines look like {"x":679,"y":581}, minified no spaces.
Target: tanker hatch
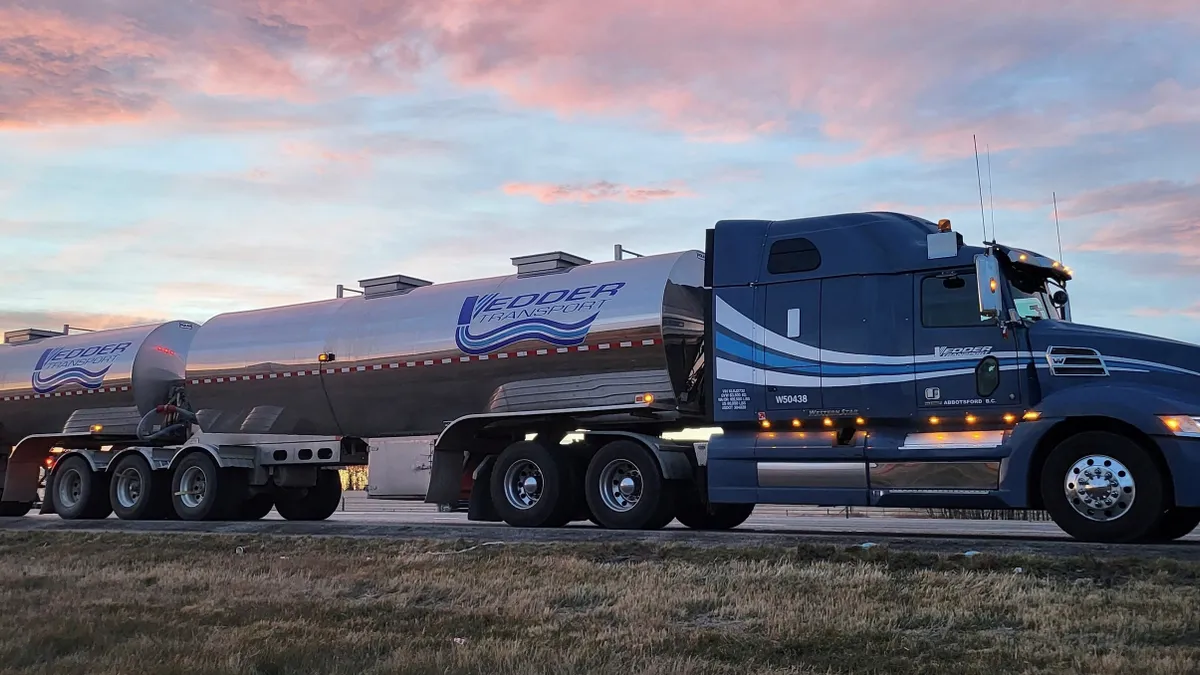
{"x":26,"y":335}
{"x":547,"y":263}
{"x":395,"y":284}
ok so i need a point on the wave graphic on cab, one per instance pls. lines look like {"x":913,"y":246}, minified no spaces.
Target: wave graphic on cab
{"x":49,"y":383}
{"x":557,"y":333}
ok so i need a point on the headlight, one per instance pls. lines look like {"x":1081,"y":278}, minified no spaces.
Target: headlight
{"x":1181,"y":425}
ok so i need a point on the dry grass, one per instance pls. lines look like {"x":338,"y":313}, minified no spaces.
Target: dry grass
{"x":122,"y":603}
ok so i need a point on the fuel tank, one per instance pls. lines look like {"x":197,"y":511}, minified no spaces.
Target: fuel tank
{"x":68,"y":383}
{"x":407,"y":356}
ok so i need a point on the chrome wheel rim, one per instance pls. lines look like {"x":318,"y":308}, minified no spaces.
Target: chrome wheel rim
{"x":620,"y":485}
{"x":129,"y":487}
{"x":1100,"y":488}
{"x":193,"y":484}
{"x":523,"y":484}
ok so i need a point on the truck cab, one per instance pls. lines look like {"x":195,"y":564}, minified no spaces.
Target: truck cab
{"x":874,"y":359}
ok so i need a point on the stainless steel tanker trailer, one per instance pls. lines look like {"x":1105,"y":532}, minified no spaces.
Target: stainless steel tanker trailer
{"x":256,"y":409}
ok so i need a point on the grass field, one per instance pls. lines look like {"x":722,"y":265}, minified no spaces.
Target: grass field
{"x":98,"y":604}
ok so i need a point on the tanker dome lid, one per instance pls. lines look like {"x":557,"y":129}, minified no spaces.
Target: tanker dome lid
{"x":390,"y":285}
{"x":26,"y":335}
{"x":547,"y":263}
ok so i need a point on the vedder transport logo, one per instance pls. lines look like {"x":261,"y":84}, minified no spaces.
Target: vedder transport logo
{"x":82,"y":366}
{"x":560,"y":317}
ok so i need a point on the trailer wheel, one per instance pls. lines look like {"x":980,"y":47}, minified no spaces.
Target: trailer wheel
{"x":1103,"y":487}
{"x":1176,"y":523}
{"x":626,"y":489}
{"x":315,"y":503}
{"x":257,"y":506}
{"x":14,"y":509}
{"x":136,"y":492}
{"x":79,"y":492}
{"x":534,"y":487}
{"x":202,"y":490}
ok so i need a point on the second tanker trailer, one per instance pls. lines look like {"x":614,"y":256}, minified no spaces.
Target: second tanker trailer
{"x":867,"y":359}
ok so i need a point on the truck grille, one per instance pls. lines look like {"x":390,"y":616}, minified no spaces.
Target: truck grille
{"x":1076,"y":361}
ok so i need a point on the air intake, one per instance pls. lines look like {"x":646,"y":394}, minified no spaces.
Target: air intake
{"x":25,"y":335}
{"x":547,"y":263}
{"x":1076,"y":361}
{"x":395,"y":284}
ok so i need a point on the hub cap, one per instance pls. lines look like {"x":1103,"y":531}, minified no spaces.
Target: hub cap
{"x":1099,"y":488}
{"x":621,"y":485}
{"x":70,"y":488}
{"x":194,"y":485}
{"x":523,"y":484}
{"x":129,"y":488}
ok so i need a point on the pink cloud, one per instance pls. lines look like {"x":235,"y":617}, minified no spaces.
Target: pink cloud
{"x":550,"y":193}
{"x":1155,"y":217}
{"x":883,"y":77}
{"x":55,"y":67}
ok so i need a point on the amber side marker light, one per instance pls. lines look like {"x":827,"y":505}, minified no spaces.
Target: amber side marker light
{"x":1031,"y":416}
{"x":644,"y":398}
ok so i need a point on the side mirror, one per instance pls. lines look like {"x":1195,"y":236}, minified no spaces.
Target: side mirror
{"x":987,"y":275}
{"x":1059,"y":298}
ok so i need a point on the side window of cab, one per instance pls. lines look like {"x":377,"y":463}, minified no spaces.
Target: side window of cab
{"x":951,"y":302}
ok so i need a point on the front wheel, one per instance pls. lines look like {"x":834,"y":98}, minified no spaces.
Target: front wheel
{"x":626,"y":489}
{"x":1103,"y":487}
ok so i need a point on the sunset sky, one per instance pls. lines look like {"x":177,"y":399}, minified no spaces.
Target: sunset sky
{"x":169,"y":159}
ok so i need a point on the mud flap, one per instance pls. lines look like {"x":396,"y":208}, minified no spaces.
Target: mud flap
{"x":480,"y":506}
{"x":446,"y":477}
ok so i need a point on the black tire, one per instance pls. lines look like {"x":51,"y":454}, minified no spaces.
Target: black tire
{"x":149,"y":497}
{"x":655,"y":505}
{"x":222,"y":493}
{"x":313,"y":503}
{"x":1135,"y":510}
{"x":557,"y":497}
{"x":1176,"y":523}
{"x":695,"y":513}
{"x":257,"y":506}
{"x":79,"y":492}
{"x":14,"y":509}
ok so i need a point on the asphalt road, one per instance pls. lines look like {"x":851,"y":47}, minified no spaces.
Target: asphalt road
{"x":770,"y":525}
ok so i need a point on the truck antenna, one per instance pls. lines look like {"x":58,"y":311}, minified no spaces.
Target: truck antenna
{"x":1057,"y":230}
{"x":991,"y":198}
{"x":979,"y":176}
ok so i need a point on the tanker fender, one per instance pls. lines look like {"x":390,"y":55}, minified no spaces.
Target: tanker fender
{"x":673,"y":459}
{"x":220,"y":454}
{"x":158,"y":458}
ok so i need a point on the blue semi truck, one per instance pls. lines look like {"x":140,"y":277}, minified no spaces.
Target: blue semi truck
{"x":874,"y":359}
{"x":856,"y":359}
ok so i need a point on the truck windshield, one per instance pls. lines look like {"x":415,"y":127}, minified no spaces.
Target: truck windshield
{"x":1031,"y":297}
{"x":1032,"y":305}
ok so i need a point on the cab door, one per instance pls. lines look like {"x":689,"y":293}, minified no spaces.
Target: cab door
{"x":790,"y":353}
{"x":965,"y":364}
{"x":788,"y":308}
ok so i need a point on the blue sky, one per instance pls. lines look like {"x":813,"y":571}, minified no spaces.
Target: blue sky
{"x":176,"y":161}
